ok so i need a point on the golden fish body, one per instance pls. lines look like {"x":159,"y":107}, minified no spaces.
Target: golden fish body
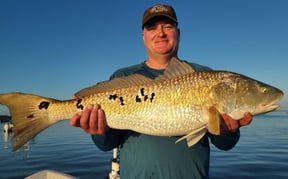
{"x":154,"y":108}
{"x":181,"y":102}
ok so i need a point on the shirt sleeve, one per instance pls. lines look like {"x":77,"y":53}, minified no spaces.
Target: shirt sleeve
{"x":225,"y":142}
{"x":107,"y":141}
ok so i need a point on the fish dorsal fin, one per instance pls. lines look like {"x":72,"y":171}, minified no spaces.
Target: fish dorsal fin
{"x":114,"y":84}
{"x":176,"y":68}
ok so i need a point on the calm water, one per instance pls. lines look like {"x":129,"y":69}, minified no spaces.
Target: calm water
{"x":262,"y":152}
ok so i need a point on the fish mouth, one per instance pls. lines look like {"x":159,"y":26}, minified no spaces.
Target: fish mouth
{"x":268,"y":107}
{"x":272,"y":106}
{"x":265,"y":109}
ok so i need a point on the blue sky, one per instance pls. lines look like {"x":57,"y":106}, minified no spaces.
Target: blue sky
{"x":56,"y":47}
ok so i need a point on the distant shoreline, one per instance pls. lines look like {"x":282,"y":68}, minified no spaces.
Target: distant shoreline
{"x":5,"y":118}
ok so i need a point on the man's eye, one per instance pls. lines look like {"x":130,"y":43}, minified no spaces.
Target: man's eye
{"x":151,"y":27}
{"x":168,"y":26}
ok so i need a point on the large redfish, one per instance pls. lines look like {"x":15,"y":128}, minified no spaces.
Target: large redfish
{"x":180,"y":102}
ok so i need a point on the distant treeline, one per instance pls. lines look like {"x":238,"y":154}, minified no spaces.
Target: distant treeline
{"x":5,"y":118}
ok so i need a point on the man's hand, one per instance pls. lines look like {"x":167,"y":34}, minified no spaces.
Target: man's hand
{"x":229,"y":125}
{"x":92,"y":120}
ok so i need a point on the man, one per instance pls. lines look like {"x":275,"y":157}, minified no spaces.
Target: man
{"x":144,"y":156}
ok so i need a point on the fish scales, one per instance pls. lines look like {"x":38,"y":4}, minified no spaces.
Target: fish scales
{"x":176,"y":99}
{"x":149,"y":116}
{"x":180,"y":102}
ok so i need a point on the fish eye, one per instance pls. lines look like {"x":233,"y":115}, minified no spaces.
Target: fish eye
{"x":265,"y":90}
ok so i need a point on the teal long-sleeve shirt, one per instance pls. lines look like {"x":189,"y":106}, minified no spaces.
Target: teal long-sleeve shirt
{"x":144,"y":156}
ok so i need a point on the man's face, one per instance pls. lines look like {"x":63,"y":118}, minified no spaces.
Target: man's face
{"x":161,"y":37}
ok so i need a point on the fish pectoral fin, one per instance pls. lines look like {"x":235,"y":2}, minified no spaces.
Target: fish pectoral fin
{"x":194,"y":136}
{"x":214,"y":120}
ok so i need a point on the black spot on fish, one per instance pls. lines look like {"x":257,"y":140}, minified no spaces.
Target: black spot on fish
{"x":114,"y":97}
{"x":138,"y":99}
{"x":79,"y":105}
{"x":44,"y":104}
{"x":145,"y":97}
{"x":152,"y":97}
{"x":122,"y":101}
{"x":30,"y":116}
{"x":142,"y":91}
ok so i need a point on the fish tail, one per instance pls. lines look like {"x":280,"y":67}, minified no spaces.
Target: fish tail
{"x":29,"y":115}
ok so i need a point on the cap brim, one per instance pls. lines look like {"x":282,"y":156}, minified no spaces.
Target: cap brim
{"x":158,"y":15}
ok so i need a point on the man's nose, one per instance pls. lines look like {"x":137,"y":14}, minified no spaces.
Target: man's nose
{"x":160,"y":31}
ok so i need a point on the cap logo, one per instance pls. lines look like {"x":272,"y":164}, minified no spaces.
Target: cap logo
{"x":159,"y":8}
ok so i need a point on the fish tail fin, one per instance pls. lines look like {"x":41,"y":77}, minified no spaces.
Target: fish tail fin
{"x":214,"y":121}
{"x":29,"y":115}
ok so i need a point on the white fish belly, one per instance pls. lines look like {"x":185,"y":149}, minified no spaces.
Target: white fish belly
{"x":162,"y":120}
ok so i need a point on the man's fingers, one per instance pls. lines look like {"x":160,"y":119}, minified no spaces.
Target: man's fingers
{"x":102,"y":125}
{"x":75,"y":120}
{"x":84,"y":121}
{"x":228,"y":124}
{"x":93,"y":122}
{"x":246,"y":120}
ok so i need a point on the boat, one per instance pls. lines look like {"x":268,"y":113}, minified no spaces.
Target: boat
{"x":8,"y":127}
{"x":50,"y":174}
{"x":5,"y":118}
{"x":115,"y":166}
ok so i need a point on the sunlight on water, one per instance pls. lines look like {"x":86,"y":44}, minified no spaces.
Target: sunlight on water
{"x":262,"y":152}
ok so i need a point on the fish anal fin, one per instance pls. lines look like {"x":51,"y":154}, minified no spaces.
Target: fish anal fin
{"x":194,"y":136}
{"x":214,"y":120}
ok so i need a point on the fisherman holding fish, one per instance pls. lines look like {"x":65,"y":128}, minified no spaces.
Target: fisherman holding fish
{"x":147,"y":156}
{"x":146,"y":108}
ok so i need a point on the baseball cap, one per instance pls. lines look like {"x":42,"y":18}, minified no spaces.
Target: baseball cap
{"x":159,"y":10}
